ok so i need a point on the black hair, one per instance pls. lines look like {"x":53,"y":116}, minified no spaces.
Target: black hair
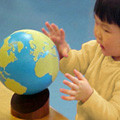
{"x":108,"y":11}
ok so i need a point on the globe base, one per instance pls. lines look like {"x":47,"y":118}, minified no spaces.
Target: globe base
{"x":33,"y":106}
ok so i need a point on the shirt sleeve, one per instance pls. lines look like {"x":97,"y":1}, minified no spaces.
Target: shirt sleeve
{"x":99,"y":108}
{"x":79,"y":59}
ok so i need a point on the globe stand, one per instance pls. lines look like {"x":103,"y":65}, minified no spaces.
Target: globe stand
{"x":33,"y":106}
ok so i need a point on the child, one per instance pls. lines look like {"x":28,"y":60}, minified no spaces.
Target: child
{"x":98,"y":93}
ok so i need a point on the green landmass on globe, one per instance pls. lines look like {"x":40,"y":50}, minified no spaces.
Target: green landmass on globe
{"x":29,"y":62}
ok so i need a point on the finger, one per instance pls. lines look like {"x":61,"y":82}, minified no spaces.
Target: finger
{"x":55,"y":27}
{"x":45,"y":32}
{"x":62,"y":33}
{"x":78,"y":74}
{"x":49,"y":27}
{"x":72,"y":78}
{"x":68,"y":98}
{"x":71,"y":85}
{"x":68,"y":92}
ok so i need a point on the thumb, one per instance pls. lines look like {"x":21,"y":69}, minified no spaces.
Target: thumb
{"x":65,"y":52}
{"x":62,"y":53}
{"x":78,"y":74}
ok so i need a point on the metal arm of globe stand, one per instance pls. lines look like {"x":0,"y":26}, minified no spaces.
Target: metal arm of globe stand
{"x":33,"y":106}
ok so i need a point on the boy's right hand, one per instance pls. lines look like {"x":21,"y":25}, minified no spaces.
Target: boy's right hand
{"x":58,"y":37}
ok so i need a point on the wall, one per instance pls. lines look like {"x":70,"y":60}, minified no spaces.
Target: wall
{"x":74,"y":16}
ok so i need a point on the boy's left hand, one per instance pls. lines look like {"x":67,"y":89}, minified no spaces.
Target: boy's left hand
{"x":80,"y":88}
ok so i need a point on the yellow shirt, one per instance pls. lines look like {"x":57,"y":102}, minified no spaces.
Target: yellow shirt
{"x":103,"y":74}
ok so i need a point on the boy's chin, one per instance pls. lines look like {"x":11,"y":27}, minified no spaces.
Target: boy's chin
{"x":105,"y":53}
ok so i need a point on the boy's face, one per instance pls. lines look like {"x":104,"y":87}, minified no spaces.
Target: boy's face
{"x":108,"y":36}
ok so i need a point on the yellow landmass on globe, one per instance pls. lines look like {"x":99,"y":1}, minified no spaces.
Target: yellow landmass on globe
{"x":15,"y":86}
{"x":40,"y":40}
{"x":35,"y":44}
{"x":6,"y":58}
{"x":19,"y":44}
{"x":47,"y":66}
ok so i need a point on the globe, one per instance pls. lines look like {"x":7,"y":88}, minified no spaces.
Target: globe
{"x":29,"y":62}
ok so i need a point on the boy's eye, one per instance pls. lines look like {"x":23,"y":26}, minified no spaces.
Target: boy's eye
{"x":106,"y":30}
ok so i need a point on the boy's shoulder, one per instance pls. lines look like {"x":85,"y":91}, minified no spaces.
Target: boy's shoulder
{"x":92,"y":44}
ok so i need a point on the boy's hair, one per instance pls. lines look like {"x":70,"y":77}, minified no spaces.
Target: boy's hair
{"x":108,"y":11}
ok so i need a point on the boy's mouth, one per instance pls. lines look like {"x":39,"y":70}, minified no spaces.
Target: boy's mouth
{"x":102,"y":46}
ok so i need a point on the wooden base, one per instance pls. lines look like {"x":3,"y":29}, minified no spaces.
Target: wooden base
{"x":30,"y":106}
{"x":5,"y":109}
{"x":53,"y":115}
